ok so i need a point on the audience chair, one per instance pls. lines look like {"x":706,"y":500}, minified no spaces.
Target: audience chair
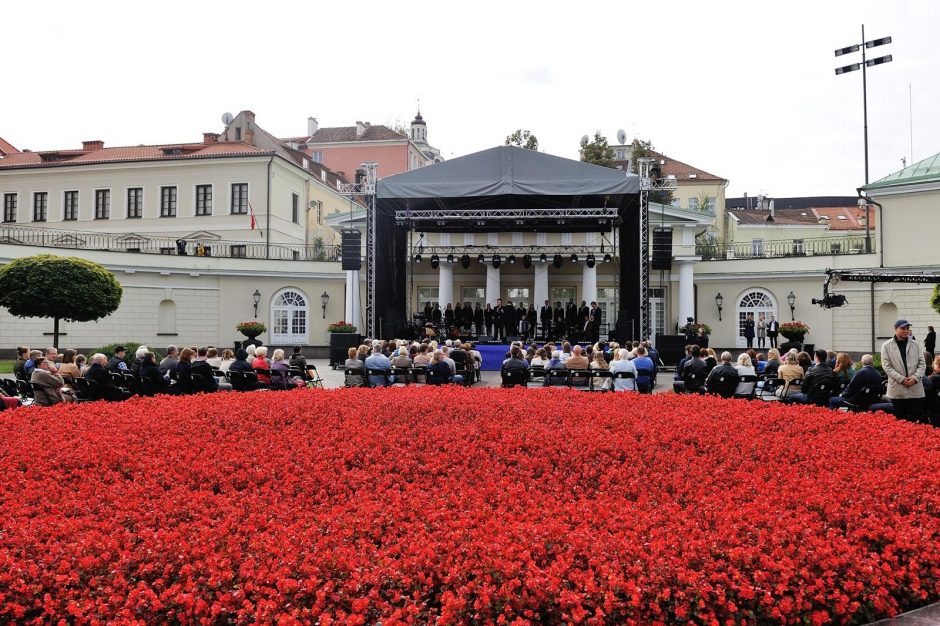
{"x":85,"y":389}
{"x":537,"y":372}
{"x":623,"y":375}
{"x":768,"y":391}
{"x":354,"y":371}
{"x":466,"y":372}
{"x":557,"y":378}
{"x":418,"y":375}
{"x":371,"y":371}
{"x":402,"y":376}
{"x":313,"y":376}
{"x":599,"y":376}
{"x":580,"y":378}
{"x":870,"y":396}
{"x":243,"y":381}
{"x":433,"y":378}
{"x":24,"y":388}
{"x":9,"y":387}
{"x":514,"y":378}
{"x":797,"y":382}
{"x":747,"y":378}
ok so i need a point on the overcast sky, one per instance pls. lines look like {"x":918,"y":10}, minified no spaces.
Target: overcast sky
{"x":744,"y":90}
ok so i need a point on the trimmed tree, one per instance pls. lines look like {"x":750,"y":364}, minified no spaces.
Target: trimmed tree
{"x":598,"y":151}
{"x":523,"y":139}
{"x":63,"y":288}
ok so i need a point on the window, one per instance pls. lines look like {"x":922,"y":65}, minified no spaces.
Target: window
{"x":799,"y":249}
{"x":295,"y":208}
{"x":203,"y":199}
{"x":167,"y":201}
{"x":102,"y":204}
{"x":757,"y":247}
{"x":167,"y":250}
{"x":135,"y":202}
{"x":562,"y":294}
{"x":757,"y":302}
{"x":238,"y":251}
{"x":289,"y":318}
{"x":835,"y":248}
{"x":518,"y":296}
{"x":317,"y":156}
{"x":9,"y":207}
{"x":239,"y":198}
{"x":238,"y":133}
{"x":70,"y":210}
{"x":40,"y":205}
{"x":427,"y":294}
{"x":319,"y":212}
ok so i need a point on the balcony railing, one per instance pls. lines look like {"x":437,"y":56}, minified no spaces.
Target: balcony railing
{"x":824,"y":246}
{"x":145,"y":244}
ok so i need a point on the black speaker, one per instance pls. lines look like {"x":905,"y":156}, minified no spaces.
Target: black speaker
{"x":662,"y":248}
{"x":352,"y":250}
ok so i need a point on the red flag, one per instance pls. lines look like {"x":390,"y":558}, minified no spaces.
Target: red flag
{"x":254,"y":222}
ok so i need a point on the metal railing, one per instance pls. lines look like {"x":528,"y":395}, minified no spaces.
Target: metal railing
{"x":765,"y":249}
{"x":146,"y":244}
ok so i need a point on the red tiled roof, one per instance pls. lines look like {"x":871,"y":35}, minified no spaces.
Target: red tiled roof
{"x":55,"y":158}
{"x":782,"y":217}
{"x":852,"y":218}
{"x":348,"y":133}
{"x":6,"y":148}
{"x":680,"y":170}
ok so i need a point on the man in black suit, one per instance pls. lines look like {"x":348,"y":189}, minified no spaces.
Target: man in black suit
{"x":723,"y":379}
{"x":558,"y":322}
{"x":106,"y":388}
{"x":545,"y":317}
{"x":499,"y":330}
{"x":773,"y":328}
{"x":818,"y":383}
{"x":584,"y":312}
{"x":478,"y":319}
{"x":593,"y":327}
{"x":694,"y":370}
{"x":510,"y":321}
{"x":867,"y":377}
{"x":571,"y":318}
{"x":437,"y":314}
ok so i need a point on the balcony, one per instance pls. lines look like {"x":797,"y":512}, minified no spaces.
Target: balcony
{"x":781,"y":248}
{"x":145,"y":244}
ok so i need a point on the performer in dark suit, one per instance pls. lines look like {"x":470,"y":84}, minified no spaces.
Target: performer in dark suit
{"x":428,"y":311}
{"x":773,"y":328}
{"x":558,"y":322}
{"x":449,"y":316}
{"x":499,"y":330}
{"x":478,"y":319}
{"x":458,"y":315}
{"x":593,"y":326}
{"x":436,"y":313}
{"x":467,"y":318}
{"x":488,"y":319}
{"x":510,"y":320}
{"x":584,"y":312}
{"x":532,"y":319}
{"x":545,"y":317}
{"x":571,"y":318}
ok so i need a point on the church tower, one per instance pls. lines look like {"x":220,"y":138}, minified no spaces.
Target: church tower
{"x":419,"y":130}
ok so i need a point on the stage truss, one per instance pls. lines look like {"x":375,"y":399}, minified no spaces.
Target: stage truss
{"x":365,"y":191}
{"x":648,"y":183}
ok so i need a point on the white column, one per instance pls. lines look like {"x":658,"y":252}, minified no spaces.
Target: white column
{"x":686,"y":292}
{"x":492,"y":284}
{"x":445,"y":292}
{"x":589,"y":283}
{"x":541,"y":284}
{"x":353,"y":312}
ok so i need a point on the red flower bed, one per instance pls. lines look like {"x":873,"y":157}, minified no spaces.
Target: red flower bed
{"x":443,"y":506}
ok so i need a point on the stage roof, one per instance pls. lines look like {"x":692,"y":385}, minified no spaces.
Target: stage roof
{"x":507,"y":177}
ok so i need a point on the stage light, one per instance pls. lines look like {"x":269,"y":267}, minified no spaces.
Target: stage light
{"x":465,"y":261}
{"x":450,"y":258}
{"x":435,"y":261}
{"x":418,"y":259}
{"x":590,"y":260}
{"x":512,"y":259}
{"x":574,"y":258}
{"x":607,"y":258}
{"x":496,"y":261}
{"x":481,"y":259}
{"x":543,"y":258}
{"x":557,"y":261}
{"x":527,"y":261}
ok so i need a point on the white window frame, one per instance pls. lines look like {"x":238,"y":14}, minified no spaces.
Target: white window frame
{"x":290,"y":337}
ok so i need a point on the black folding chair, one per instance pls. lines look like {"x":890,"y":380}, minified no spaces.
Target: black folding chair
{"x":514,"y":378}
{"x":418,"y":375}
{"x":769,"y":388}
{"x":348,"y":379}
{"x":466,"y":372}
{"x":537,"y":373}
{"x":402,"y":376}
{"x":372,"y":371}
{"x":435,"y":378}
{"x":868,"y":397}
{"x":24,"y":389}
{"x":747,"y":379}
{"x":243,"y":381}
{"x":557,"y":378}
{"x":8,"y":385}
{"x":580,"y":379}
{"x":622,"y":376}
{"x":598,"y":380}
{"x":85,"y":390}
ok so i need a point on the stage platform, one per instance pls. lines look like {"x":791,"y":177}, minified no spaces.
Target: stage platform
{"x":495,"y":353}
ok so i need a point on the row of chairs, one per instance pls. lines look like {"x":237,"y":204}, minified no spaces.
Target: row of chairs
{"x":416,"y":375}
{"x":593,"y":380}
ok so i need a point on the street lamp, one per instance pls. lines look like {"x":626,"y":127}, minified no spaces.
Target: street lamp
{"x":791,"y":300}
{"x":324,"y":300}
{"x":845,"y":69}
{"x":719,"y":301}
{"x":257,"y":298}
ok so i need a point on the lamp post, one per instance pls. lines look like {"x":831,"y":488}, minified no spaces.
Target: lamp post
{"x":791,"y":300}
{"x":324,"y":300}
{"x":845,"y":69}
{"x":257,"y":298}
{"x":719,"y":301}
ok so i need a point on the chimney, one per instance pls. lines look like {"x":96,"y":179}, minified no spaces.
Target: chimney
{"x":210,"y":138}
{"x":250,"y":137}
{"x":360,"y":129}
{"x":249,"y":115}
{"x":94,"y":144}
{"x":312,"y":126}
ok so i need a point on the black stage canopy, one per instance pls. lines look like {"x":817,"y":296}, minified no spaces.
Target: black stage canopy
{"x":503,"y":188}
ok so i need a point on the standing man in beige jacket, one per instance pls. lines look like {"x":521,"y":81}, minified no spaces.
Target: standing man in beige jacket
{"x":903,"y":361}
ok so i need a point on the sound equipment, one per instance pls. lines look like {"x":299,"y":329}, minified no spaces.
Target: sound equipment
{"x":671,"y":348}
{"x":662,"y":248}
{"x":352,"y":249}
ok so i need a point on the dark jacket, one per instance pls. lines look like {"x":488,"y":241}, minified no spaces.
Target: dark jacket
{"x":770,"y":370}
{"x":207,"y":382}
{"x":722,"y":380}
{"x":697,"y":367}
{"x":816,"y":376}
{"x":106,"y":388}
{"x":156,"y":383}
{"x":515,"y":364}
{"x":866,"y":376}
{"x":442,"y":371}
{"x":114,"y":364}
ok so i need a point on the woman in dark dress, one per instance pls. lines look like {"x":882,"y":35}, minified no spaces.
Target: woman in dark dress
{"x":930,"y":341}
{"x":478,"y":319}
{"x":449,"y":316}
{"x":467,"y":318}
{"x":151,"y":380}
{"x":488,"y":319}
{"x":749,"y":330}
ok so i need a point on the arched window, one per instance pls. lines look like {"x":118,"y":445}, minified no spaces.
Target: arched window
{"x":755,"y":301}
{"x":887,"y":315}
{"x":289,"y":317}
{"x":167,"y":320}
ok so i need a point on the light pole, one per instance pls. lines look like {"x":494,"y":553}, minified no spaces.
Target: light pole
{"x":845,"y":69}
{"x":719,"y":301}
{"x":791,"y":300}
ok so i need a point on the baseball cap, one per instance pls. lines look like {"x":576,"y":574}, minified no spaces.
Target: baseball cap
{"x":119,"y":349}
{"x":902,"y":324}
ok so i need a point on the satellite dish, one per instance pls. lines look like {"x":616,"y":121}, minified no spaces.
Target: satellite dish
{"x":227,"y":118}
{"x":584,"y":141}
{"x":621,"y":136}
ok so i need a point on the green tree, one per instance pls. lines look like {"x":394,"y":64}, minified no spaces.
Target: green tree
{"x":523,"y":139}
{"x":598,"y":151}
{"x":66,"y":288}
{"x":935,"y":299}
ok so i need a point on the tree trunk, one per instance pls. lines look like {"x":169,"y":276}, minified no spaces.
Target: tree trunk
{"x":55,"y":333}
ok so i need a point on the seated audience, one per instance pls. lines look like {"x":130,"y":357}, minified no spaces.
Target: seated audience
{"x":81,"y":363}
{"x":116,"y":363}
{"x":49,"y":388}
{"x":168,"y":364}
{"x":540,"y":359}
{"x":378,"y":361}
{"x":866,"y":377}
{"x":213,"y":358}
{"x":422,"y":359}
{"x":761,"y":364}
{"x":184,"y":371}
{"x":694,"y":371}
{"x":789,"y":371}
{"x":723,"y":380}
{"x":204,"y":379}
{"x":439,"y":371}
{"x":30,"y":363}
{"x":773,"y":363}
{"x":138,"y":359}
{"x":22,"y":355}
{"x":105,"y":388}
{"x":644,"y":382}
{"x":152,"y":380}
{"x":577,"y":361}
{"x":516,"y":361}
{"x":261,"y":366}
{"x":68,"y":370}
{"x":818,"y":383}
{"x":805,"y":361}
{"x":299,"y":361}
{"x":280,"y":370}
{"x":600,"y":364}
{"x":745,"y":368}
{"x":228,"y":357}
{"x":353,"y":362}
{"x":844,"y":369}
{"x":623,"y":364}
{"x":401,"y":358}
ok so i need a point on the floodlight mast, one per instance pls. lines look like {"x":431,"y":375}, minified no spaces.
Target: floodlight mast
{"x":845,"y":69}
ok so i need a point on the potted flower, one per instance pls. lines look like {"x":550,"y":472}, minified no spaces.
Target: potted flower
{"x":343,"y":336}
{"x":341,"y":327}
{"x":794,"y":331}
{"x":251,"y":330}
